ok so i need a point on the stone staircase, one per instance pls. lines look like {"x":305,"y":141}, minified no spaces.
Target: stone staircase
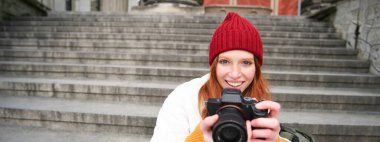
{"x":103,"y":77}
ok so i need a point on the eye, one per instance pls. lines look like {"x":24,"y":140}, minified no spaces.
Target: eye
{"x":223,"y":61}
{"x":247,"y":62}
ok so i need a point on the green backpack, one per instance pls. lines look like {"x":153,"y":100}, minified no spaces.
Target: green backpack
{"x":295,"y":135}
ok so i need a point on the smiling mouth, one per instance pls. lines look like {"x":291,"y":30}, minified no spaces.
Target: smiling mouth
{"x":235,"y":84}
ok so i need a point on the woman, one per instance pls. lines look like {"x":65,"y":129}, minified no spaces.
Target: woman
{"x":235,"y":58}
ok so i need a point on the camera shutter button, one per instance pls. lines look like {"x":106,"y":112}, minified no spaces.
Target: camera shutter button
{"x":248,"y":100}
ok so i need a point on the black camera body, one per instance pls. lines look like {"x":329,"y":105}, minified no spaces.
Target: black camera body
{"x":233,"y":111}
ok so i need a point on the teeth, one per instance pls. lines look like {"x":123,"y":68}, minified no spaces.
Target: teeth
{"x":234,"y":84}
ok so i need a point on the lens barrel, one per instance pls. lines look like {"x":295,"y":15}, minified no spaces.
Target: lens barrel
{"x":230,"y":127}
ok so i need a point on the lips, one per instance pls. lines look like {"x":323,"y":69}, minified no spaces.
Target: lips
{"x":234,"y":83}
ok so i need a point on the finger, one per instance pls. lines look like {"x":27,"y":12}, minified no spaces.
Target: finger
{"x":273,"y":107}
{"x":255,"y":99}
{"x":266,"y":134}
{"x":259,"y":140}
{"x":249,"y":130}
{"x":208,"y":122}
{"x":266,"y":123}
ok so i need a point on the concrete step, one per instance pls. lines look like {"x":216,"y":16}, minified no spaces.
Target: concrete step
{"x":105,"y":71}
{"x":22,"y":133}
{"x":12,"y":48}
{"x":137,"y":91}
{"x":165,"y":47}
{"x":206,"y":16}
{"x":160,"y":24}
{"x":83,"y":57}
{"x":169,"y":48}
{"x":80,"y":115}
{"x":262,"y":29}
{"x":163,"y":37}
{"x":100,"y":71}
{"x":316,"y":65}
{"x":154,"y":93}
{"x":309,"y":52}
{"x":83,"y":115}
{"x":322,"y":79}
{"x":180,"y":31}
{"x":162,"y":16}
{"x":206,"y":37}
{"x":160,"y":47}
{"x":349,"y":99}
{"x":173,"y":19}
{"x":333,"y":126}
{"x":180,"y":60}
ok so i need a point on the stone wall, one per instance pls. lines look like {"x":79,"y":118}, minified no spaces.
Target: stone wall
{"x":12,"y":8}
{"x":367,"y":14}
{"x":114,"y":5}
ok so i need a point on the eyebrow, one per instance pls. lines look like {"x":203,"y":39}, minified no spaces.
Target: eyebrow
{"x":249,"y":58}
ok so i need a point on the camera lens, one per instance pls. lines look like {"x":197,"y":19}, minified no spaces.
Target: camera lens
{"x":230,"y":133}
{"x":230,"y":126}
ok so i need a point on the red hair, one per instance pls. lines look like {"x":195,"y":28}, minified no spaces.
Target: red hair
{"x":211,"y":89}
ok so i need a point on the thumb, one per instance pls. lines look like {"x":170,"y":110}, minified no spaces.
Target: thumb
{"x":208,"y":122}
{"x":206,"y":127}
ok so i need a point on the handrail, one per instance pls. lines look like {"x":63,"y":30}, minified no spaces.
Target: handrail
{"x":38,"y":5}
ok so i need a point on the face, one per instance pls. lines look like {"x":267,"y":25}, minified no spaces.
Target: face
{"x":235,"y":69}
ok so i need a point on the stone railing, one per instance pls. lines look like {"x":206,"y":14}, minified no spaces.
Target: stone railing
{"x":169,"y":6}
{"x":358,"y":22}
{"x":12,"y":8}
{"x":311,"y":7}
{"x":185,"y":2}
{"x":242,"y":9}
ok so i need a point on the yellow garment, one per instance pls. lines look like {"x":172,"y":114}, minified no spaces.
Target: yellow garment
{"x":197,"y":136}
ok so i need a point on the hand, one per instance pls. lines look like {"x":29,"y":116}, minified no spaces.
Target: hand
{"x":265,"y":129}
{"x":206,"y":127}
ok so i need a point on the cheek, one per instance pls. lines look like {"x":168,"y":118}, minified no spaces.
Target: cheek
{"x":220,"y":74}
{"x":249,"y":74}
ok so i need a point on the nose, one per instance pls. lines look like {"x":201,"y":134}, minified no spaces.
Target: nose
{"x":235,"y":72}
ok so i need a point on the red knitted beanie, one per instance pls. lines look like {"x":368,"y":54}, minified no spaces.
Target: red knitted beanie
{"x":235,"y":33}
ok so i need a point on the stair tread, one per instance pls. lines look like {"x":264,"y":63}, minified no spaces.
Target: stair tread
{"x":150,"y":31}
{"x":270,"y":29}
{"x":321,"y":117}
{"x":318,"y":73}
{"x":325,"y":91}
{"x":186,"y":24}
{"x":365,"y":92}
{"x":178,"y":38}
{"x":205,"y":18}
{"x":103,"y":65}
{"x":20,"y":133}
{"x":137,"y":44}
{"x":187,"y":72}
{"x":330,"y":117}
{"x":140,"y":44}
{"x":189,"y":68}
{"x":270,"y":49}
{"x":98,"y":82}
{"x":78,"y":106}
{"x":114,"y":58}
{"x":217,"y":16}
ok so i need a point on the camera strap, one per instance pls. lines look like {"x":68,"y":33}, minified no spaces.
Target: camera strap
{"x":295,"y":135}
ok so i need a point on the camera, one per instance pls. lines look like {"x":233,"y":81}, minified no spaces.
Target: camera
{"x":233,"y":111}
